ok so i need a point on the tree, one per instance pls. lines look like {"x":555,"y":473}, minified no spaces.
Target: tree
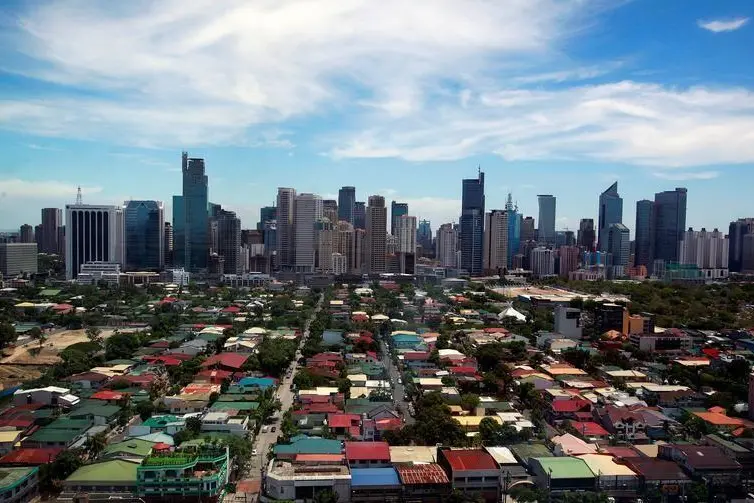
{"x":121,"y":345}
{"x":94,"y":335}
{"x":469,"y":401}
{"x":194,"y":425}
{"x":240,"y":450}
{"x":96,"y":444}
{"x":698,"y":492}
{"x":145,"y":409}
{"x":7,"y":334}
{"x":67,"y":462}
{"x":326,"y":496}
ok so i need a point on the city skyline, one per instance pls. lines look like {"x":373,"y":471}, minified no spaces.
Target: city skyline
{"x":549,"y":97}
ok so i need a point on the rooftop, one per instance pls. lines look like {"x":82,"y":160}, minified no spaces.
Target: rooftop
{"x":106,"y":473}
{"x":363,"y":451}
{"x":133,"y":446}
{"x":605,"y":465}
{"x":421,"y":474}
{"x":413,"y":454}
{"x":565,"y":467}
{"x":656,"y":469}
{"x":469,"y":459}
{"x":9,"y":477}
{"x":370,"y":477}
{"x":23,"y":456}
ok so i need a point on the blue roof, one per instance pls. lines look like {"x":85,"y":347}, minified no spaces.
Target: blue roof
{"x":371,"y":477}
{"x":257,"y":382}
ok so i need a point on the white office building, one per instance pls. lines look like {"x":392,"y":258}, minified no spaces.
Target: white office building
{"x":94,"y":233}
{"x":707,"y":250}
{"x":406,"y":233}
{"x":542,"y":262}
{"x":447,"y":246}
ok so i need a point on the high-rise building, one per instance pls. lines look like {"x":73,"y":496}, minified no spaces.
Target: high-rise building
{"x":391,"y":245}
{"x":286,"y":238}
{"x":145,"y":235}
{"x":359,"y":215}
{"x":619,"y":244}
{"x":266,"y":214}
{"x":346,"y":201}
{"x":585,"y":237}
{"x":339,"y":264}
{"x":405,"y":229}
{"x":308,"y":211}
{"x":643,"y":233}
{"x":546,"y":229}
{"x":17,"y":259}
{"x":707,"y":250}
{"x":424,"y":237}
{"x":495,"y":255}
{"x":168,"y":246}
{"x":472,"y":224}
{"x":397,"y":210}
{"x":610,"y":212}
{"x":345,"y":244}
{"x":326,"y":236}
{"x":542,"y":262}
{"x":52,"y":219}
{"x":528,"y":230}
{"x":93,"y":233}
{"x":330,"y":210}
{"x":191,"y":218}
{"x":514,"y":229}
{"x":26,"y":234}
{"x":359,"y":251}
{"x":376,"y":235}
{"x":447,"y":245}
{"x":568,"y":260}
{"x":564,"y":238}
{"x":38,"y":234}
{"x":669,"y":220}
{"x":736,"y":232}
{"x":228,"y":240}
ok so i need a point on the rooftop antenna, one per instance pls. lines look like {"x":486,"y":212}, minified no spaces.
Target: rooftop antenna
{"x":78,"y":196}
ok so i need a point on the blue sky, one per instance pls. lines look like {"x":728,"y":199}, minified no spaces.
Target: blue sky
{"x":398,"y":98}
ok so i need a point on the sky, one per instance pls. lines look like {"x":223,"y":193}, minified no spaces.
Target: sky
{"x":402,"y":99}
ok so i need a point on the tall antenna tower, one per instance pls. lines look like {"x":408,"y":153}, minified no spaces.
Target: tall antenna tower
{"x":78,"y":197}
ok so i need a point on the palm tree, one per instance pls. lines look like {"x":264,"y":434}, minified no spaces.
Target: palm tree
{"x":96,"y":444}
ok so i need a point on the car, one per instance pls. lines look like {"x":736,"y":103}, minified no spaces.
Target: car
{"x":253,"y":452}
{"x":264,"y":429}
{"x":400,"y":381}
{"x":273,"y":429}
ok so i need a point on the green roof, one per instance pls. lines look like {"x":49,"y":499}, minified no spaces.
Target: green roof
{"x":302,"y":444}
{"x":49,"y":292}
{"x":161,"y":421}
{"x":209,"y":337}
{"x":106,"y":472}
{"x":526,"y":451}
{"x":235,"y":406}
{"x":46,"y":436}
{"x":67,"y":423}
{"x":11,"y":477}
{"x":562,"y":467}
{"x":100,"y":410}
{"x":134,"y":446}
{"x":120,"y":361}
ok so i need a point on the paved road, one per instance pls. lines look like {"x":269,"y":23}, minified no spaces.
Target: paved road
{"x":398,"y":390}
{"x":264,"y":441}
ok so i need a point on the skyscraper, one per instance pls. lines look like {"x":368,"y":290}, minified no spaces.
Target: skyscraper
{"x":190,"y":217}
{"x":542,"y":262}
{"x":345,"y":243}
{"x":145,"y":235}
{"x":406,"y":232}
{"x":546,"y":229}
{"x":229,"y":240}
{"x":707,"y":250}
{"x":643,"y":233}
{"x":308,"y":211}
{"x":266,"y":214}
{"x":514,"y":229}
{"x":585,"y":237}
{"x":397,"y":210}
{"x":447,"y":244}
{"x":528,"y":230}
{"x":376,"y":234}
{"x":472,"y":224}
{"x":168,"y":246}
{"x":359,"y":215}
{"x":669,"y":223}
{"x":568,"y":260}
{"x":286,"y":247}
{"x":26,"y":234}
{"x":330,"y":210}
{"x":346,"y":201}
{"x":619,"y":244}
{"x":610,"y":212}
{"x":424,"y":236}
{"x":93,"y":233}
{"x":52,"y":219}
{"x":495,"y":255}
{"x":736,"y":233}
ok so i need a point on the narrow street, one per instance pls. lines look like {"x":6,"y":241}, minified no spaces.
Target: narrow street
{"x":399,"y":392}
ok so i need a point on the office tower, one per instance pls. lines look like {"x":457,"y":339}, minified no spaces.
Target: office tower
{"x":397,"y":210}
{"x":52,"y":219}
{"x":610,"y":212}
{"x":391,"y":244}
{"x":528,"y":230}
{"x":447,"y":244}
{"x":568,"y":260}
{"x":38,"y":234}
{"x":542,"y":262}
{"x":546,"y":229}
{"x":344,"y":243}
{"x":168,"y":244}
{"x":339,"y":264}
{"x":709,"y":251}
{"x":585,"y":237}
{"x":619,"y":244}
{"x":93,"y":233}
{"x":405,"y":229}
{"x":424,"y":237}
{"x":286,"y":246}
{"x":376,"y":235}
{"x":669,"y":219}
{"x":495,"y":255}
{"x":346,"y":201}
{"x":359,"y":215}
{"x":326,"y":236}
{"x":228,"y":240}
{"x":643,"y":233}
{"x":145,"y":235}
{"x":17,"y":259}
{"x":26,"y":234}
{"x":359,"y":251}
{"x":736,"y":232}
{"x":514,"y":229}
{"x":266,"y":214}
{"x":308,"y":210}
{"x":330,"y":210}
{"x":564,"y":238}
{"x":191,"y":218}
{"x":472,"y":224}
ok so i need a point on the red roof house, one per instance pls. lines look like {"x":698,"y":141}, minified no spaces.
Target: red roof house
{"x":226,"y":361}
{"x":590,"y":429}
{"x":108,"y":395}
{"x":214,"y":376}
{"x":31,"y":457}
{"x":464,"y":460}
{"x":368,"y":454}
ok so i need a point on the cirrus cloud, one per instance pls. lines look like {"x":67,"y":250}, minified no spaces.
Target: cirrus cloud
{"x":723,"y":25}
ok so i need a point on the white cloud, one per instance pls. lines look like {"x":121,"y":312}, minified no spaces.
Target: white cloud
{"x":686,"y":175}
{"x":721,"y":25}
{"x":15,"y":188}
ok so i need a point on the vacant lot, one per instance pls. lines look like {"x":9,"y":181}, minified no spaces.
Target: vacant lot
{"x":32,"y":354}
{"x":11,"y":375}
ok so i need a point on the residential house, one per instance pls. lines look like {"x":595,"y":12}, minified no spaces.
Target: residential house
{"x":659,"y":475}
{"x":425,"y":482}
{"x":31,"y":456}
{"x":571,"y":445}
{"x":51,"y":395}
{"x":63,"y":432}
{"x":625,"y":424}
{"x":367,"y":454}
{"x":132,"y":449}
{"x":472,"y":471}
{"x":89,"y":380}
{"x":8,"y":439}
{"x":562,"y":474}
{"x":114,"y":476}
{"x":612,"y":477}
{"x":703,"y":462}
{"x":561,"y":410}
{"x":227,"y":361}
{"x":344,"y":425}
{"x":302,"y":444}
{"x":225,"y":423}
{"x":375,"y":485}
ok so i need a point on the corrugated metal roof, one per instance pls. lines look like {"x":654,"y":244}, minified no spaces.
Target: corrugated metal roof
{"x":430,"y":473}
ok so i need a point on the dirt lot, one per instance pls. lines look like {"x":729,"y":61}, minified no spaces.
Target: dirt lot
{"x":48,"y":355}
{"x":11,"y":375}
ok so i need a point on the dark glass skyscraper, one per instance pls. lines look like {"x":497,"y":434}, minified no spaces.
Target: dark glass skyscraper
{"x":266,"y":214}
{"x":669,"y":223}
{"x":643,"y":233}
{"x":736,"y":234}
{"x":346,"y":201}
{"x":546,"y":229}
{"x":610,"y":212}
{"x":359,"y":215}
{"x":585,"y":237}
{"x":424,"y":236}
{"x":397,"y":210}
{"x":472,"y":224}
{"x":145,"y":235}
{"x":191,"y":218}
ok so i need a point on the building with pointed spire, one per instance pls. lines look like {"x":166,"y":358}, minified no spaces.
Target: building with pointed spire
{"x":610,"y":212}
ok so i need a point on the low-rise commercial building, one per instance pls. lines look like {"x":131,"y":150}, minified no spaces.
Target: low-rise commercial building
{"x":472,"y":471}
{"x":423,"y":483}
{"x":373,"y":485}
{"x":18,"y":485}
{"x":288,"y":480}
{"x":560,"y":474}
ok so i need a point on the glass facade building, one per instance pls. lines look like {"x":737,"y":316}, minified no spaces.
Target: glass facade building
{"x":610,"y":212}
{"x":346,"y":202}
{"x":145,"y":235}
{"x":669,"y":223}
{"x":643,"y":233}
{"x":546,"y":229}
{"x":191,"y":218}
{"x":472,"y":224}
